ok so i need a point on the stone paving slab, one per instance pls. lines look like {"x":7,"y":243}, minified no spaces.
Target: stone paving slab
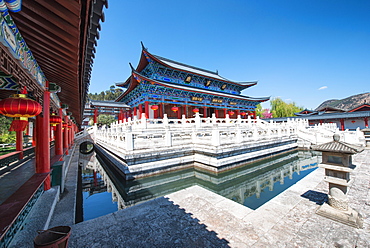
{"x":196,"y":217}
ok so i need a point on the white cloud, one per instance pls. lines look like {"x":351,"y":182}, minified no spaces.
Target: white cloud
{"x":323,"y":87}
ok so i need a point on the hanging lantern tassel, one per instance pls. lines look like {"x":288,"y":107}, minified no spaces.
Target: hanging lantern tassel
{"x":20,"y":108}
{"x":19,"y":124}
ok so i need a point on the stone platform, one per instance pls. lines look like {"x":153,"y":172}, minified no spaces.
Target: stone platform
{"x":195,"y":217}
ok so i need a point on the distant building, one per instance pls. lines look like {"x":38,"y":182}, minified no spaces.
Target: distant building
{"x":350,"y":119}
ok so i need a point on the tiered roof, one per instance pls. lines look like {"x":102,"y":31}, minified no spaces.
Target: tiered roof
{"x":147,"y":57}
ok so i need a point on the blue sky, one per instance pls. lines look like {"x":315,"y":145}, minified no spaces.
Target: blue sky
{"x":301,"y":51}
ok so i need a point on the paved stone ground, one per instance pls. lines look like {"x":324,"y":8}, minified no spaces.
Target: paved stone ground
{"x":195,"y":217}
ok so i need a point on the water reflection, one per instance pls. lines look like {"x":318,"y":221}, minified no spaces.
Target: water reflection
{"x":251,"y":185}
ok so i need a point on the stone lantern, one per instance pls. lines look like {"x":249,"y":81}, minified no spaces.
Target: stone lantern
{"x":337,"y":162}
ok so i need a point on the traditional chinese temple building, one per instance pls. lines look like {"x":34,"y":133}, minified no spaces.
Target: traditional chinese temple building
{"x":161,"y":86}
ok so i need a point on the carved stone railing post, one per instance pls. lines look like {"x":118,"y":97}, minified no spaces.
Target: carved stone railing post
{"x":227,"y":118}
{"x":183,"y":120}
{"x":168,"y":136}
{"x":238,"y":119}
{"x":143,"y":121}
{"x":215,"y":135}
{"x":129,"y":139}
{"x":165,"y":120}
{"x":214,"y":119}
{"x":197,"y":120}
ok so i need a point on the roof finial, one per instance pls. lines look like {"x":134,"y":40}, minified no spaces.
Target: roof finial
{"x":132,"y":68}
{"x":217,"y":72}
{"x":143,"y":47}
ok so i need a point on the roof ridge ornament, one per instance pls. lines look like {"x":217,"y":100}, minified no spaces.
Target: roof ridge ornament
{"x":132,"y":68}
{"x":143,"y":47}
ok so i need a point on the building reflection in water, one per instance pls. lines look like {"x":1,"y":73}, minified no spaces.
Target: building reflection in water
{"x":252,"y":184}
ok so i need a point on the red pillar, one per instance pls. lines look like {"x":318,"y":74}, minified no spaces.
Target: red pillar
{"x":71,"y":133}
{"x":34,"y":134}
{"x":19,"y":143}
{"x":59,"y":137}
{"x":225,"y":113}
{"x":342,"y":124}
{"x":28,"y":129}
{"x":95,"y":116}
{"x":135,"y":111}
{"x":366,"y":122}
{"x":160,"y":110}
{"x":65,"y":136}
{"x":146,"y":109}
{"x":140,"y":110}
{"x":42,"y":140}
{"x":205,"y":112}
{"x":216,"y":113}
{"x":185,"y":111}
{"x":236,"y":112}
{"x":179,"y":113}
{"x":124,"y":115}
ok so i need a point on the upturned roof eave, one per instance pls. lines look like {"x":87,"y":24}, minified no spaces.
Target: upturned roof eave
{"x":204,"y":91}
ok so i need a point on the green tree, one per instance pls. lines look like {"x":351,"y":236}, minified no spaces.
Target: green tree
{"x":279,"y":108}
{"x":108,"y":95}
{"x":106,"y":119}
{"x":5,"y":135}
{"x":259,"y":110}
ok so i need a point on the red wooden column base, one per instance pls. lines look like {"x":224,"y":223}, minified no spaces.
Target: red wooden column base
{"x":19,"y":143}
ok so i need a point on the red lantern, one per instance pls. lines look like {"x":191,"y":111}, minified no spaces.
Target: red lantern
{"x":55,"y":120}
{"x":231,"y":112}
{"x":64,"y":125}
{"x":243,"y":113}
{"x":174,"y":109}
{"x":353,"y":121}
{"x":195,"y":110}
{"x":154,"y":107}
{"x":20,"y":108}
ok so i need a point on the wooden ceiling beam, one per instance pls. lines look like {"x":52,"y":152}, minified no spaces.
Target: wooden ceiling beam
{"x":73,"y":6}
{"x":65,"y":13}
{"x":33,"y":30}
{"x":39,"y":14}
{"x":48,"y":28}
{"x":51,"y":50}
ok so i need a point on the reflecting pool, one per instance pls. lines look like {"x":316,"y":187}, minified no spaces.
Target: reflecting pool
{"x":252,"y":184}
